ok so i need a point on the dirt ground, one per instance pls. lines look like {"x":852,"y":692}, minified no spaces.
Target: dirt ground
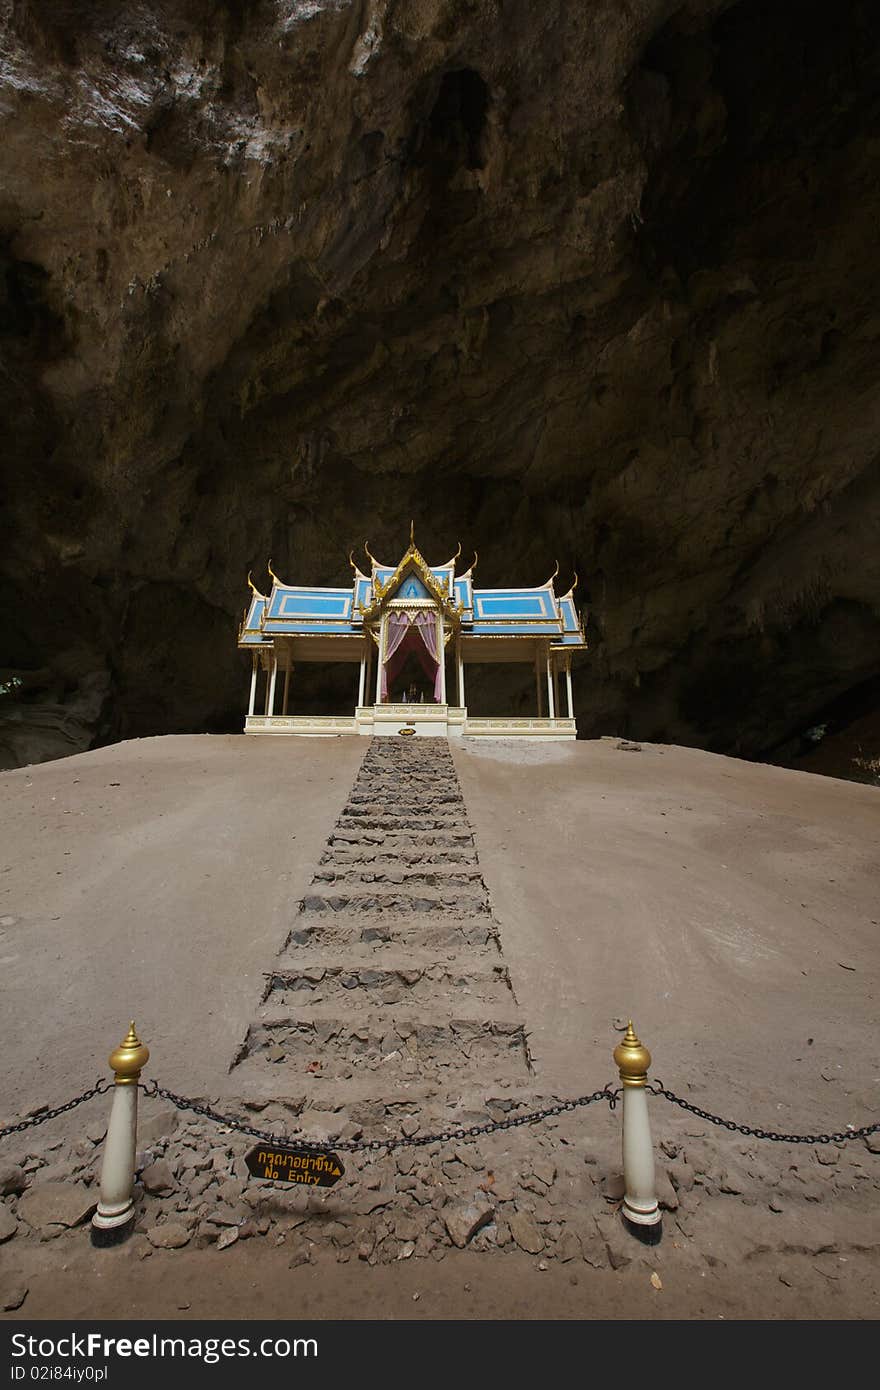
{"x":731,"y":909}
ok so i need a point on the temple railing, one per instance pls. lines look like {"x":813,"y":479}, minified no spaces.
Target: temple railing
{"x":436,"y":720}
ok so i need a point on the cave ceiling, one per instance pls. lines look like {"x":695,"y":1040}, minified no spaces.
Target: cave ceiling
{"x":594,"y":283}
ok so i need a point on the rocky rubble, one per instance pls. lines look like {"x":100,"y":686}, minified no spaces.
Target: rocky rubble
{"x":552,"y":1191}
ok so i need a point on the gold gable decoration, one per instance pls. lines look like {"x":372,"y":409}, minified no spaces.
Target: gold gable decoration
{"x":413,"y":560}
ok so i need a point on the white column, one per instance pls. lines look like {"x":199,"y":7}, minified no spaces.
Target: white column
{"x":363,"y":676}
{"x":270,"y":699}
{"x":287,"y":670}
{"x":381,"y":662}
{"x":538,"y":682}
{"x":551,"y":708}
{"x":556,"y":702}
{"x":442,"y":650}
{"x":253,"y":695}
{"x":460,"y":660}
{"x":568,"y":687}
{"x":370,"y":649}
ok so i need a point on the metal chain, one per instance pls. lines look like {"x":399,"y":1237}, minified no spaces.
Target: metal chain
{"x":99,"y":1089}
{"x":658,"y":1089}
{"x":372,"y":1145}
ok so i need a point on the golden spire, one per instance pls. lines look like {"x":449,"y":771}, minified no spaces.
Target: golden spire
{"x":473,"y":564}
{"x":573,"y":587}
{"x":412,"y":538}
{"x":272,"y":572}
{"x":454,"y":558}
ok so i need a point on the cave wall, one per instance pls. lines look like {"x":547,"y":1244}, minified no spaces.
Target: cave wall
{"x":588,"y":282}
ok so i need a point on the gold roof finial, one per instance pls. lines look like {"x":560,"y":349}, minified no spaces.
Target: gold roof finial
{"x":370,"y":553}
{"x":253,"y":585}
{"x":454,"y":558}
{"x":412,"y":538}
{"x":272,"y":572}
{"x":554,"y":574}
{"x":575,"y":584}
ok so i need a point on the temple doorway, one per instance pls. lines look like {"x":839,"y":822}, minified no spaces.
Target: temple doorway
{"x":412,"y":686}
{"x":412,"y":663}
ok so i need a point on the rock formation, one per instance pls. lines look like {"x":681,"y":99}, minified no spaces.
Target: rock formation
{"x":594,"y":282}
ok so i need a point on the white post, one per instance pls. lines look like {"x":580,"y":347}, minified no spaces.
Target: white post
{"x":369,"y":679}
{"x":363,"y":676}
{"x":442,"y":650}
{"x":381,"y":664}
{"x":460,"y":660}
{"x":270,"y":699}
{"x":116,"y":1206}
{"x":556,"y":704}
{"x":287,"y":670}
{"x":538,"y":681}
{"x":253,"y":696}
{"x":568,"y":687}
{"x":640,"y":1197}
{"x":551,"y":708}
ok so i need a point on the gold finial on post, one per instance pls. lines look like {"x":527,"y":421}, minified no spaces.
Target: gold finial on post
{"x":128,"y":1059}
{"x":633,"y":1058}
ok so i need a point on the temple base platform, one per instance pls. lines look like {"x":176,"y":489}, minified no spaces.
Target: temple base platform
{"x":427,"y":721}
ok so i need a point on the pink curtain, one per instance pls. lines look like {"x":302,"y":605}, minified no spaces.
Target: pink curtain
{"x":395,"y":632}
{"x":416,"y":634}
{"x":426,"y":625}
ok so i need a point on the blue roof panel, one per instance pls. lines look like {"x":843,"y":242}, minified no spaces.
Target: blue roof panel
{"x":510,"y":604}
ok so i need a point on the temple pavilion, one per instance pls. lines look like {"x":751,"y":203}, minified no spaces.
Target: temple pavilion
{"x":411,"y":630}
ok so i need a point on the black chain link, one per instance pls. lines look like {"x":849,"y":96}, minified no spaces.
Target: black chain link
{"x":99,"y":1089}
{"x":657,"y":1088}
{"x":372,"y":1145}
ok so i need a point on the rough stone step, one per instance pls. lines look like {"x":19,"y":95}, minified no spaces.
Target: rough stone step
{"x":398,"y":1049}
{"x":424,"y":823}
{"x":406,"y":788}
{"x":448,"y":811}
{"x":334,"y":931}
{"x":308,"y":1104}
{"x":361,"y":955}
{"x":377,"y":899}
{"x":433,"y":876}
{"x":378,"y":858}
{"x":393,"y":840}
{"x":403,"y":801}
{"x":359,"y":986}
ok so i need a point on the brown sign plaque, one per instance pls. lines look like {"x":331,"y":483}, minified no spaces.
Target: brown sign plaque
{"x":311,"y":1167}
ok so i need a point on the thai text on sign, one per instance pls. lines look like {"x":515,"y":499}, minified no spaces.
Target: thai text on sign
{"x":306,"y":1166}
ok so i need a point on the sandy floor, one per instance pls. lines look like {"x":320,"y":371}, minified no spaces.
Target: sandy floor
{"x":732,"y":909}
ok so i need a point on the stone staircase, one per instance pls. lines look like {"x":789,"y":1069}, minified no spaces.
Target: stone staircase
{"x":391,"y":985}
